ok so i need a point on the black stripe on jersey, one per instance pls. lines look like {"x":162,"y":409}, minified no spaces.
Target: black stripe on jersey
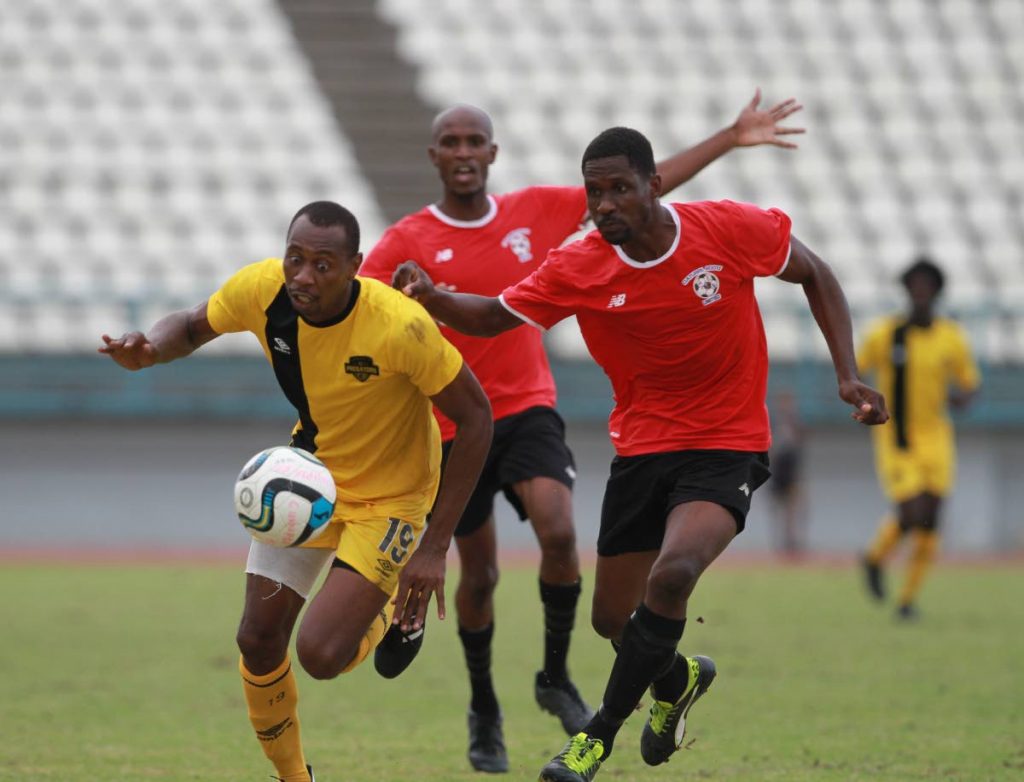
{"x":899,"y":383}
{"x":282,"y":333}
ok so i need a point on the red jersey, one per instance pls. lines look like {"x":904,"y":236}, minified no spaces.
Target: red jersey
{"x":680,"y":337}
{"x":486,"y":256}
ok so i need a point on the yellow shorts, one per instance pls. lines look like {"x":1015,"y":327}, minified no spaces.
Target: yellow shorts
{"x":904,"y":474}
{"x":376,"y":548}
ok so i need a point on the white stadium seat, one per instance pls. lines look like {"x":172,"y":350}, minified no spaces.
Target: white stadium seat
{"x":118,"y":122}
{"x":177,"y":109}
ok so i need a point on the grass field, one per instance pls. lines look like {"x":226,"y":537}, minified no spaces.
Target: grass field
{"x":129,"y":673}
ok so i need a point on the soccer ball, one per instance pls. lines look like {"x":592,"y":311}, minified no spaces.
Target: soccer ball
{"x":285,"y":496}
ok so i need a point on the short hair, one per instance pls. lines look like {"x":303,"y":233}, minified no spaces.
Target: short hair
{"x":479,"y":115}
{"x":924,"y":265}
{"x":629,"y":143}
{"x":326,"y":214}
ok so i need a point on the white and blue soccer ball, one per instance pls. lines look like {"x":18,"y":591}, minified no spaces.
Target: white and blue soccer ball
{"x":285,"y":496}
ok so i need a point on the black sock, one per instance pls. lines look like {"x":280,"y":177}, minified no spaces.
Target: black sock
{"x":604,"y":728}
{"x":671,"y":685}
{"x":559,"y":617}
{"x":647,"y":651}
{"x":477,"y":646}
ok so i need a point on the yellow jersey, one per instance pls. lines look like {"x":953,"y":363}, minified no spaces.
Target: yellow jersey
{"x":360,"y":384}
{"x":914,"y":367}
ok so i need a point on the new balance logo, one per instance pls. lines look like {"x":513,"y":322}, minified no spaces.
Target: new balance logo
{"x":745,"y":489}
{"x":281,"y":346}
{"x":617,"y":300}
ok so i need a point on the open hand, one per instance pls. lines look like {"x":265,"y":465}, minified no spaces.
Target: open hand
{"x":132,"y":350}
{"x":755,"y":126}
{"x":422,"y":576}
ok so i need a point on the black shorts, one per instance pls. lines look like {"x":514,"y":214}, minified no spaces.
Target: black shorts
{"x":530,"y":444}
{"x":642,"y":490}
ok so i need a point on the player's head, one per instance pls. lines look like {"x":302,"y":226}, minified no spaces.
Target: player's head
{"x":462,"y":149}
{"x":321,"y":258}
{"x":622,"y":183}
{"x":923,"y":281}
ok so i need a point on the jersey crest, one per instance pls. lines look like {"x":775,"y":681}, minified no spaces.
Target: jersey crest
{"x":705,"y":283}
{"x":518,"y":241}
{"x":361,"y":368}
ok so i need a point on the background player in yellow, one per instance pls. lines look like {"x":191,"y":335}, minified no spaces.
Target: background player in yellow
{"x":361,"y":364}
{"x":923,"y":365}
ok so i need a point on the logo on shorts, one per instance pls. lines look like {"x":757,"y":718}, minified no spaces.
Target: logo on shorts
{"x":361,"y":368}
{"x":745,"y":489}
{"x":705,"y":283}
{"x":384,"y":568}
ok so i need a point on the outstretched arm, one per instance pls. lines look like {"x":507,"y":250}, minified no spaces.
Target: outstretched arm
{"x":174,"y":336}
{"x":752,"y":127}
{"x":828,"y":304}
{"x":479,"y":316}
{"x":464,"y":402}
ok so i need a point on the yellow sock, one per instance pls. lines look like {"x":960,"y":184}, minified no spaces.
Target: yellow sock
{"x":885,"y":541}
{"x":273,"y":700}
{"x":373,"y":636}
{"x":926,"y":546}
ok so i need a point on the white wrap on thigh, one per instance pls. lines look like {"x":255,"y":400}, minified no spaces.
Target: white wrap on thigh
{"x":296,"y":568}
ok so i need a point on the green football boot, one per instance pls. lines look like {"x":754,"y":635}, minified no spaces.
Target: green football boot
{"x":578,"y":761}
{"x":663,"y":734}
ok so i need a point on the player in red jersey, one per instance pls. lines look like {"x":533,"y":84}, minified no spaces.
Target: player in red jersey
{"x":664,"y":296}
{"x":479,"y":243}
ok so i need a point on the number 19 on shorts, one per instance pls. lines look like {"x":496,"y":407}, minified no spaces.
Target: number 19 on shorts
{"x":397,"y":540}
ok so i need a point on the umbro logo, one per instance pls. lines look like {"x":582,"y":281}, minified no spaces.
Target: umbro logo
{"x":281,"y":346}
{"x":745,"y":489}
{"x":617,"y":300}
{"x":274,"y":731}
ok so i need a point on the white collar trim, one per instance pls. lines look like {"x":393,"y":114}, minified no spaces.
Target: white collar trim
{"x":668,"y":254}
{"x":492,"y":212}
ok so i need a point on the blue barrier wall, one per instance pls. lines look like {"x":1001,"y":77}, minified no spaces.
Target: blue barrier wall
{"x":84,"y":386}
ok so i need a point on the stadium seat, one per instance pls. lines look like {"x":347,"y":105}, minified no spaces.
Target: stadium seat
{"x":889,"y":169}
{"x":149,"y":118}
{"x":152,"y":118}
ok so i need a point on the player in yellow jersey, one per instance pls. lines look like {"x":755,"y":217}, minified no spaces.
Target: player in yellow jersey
{"x":362,"y":365}
{"x":923,"y":365}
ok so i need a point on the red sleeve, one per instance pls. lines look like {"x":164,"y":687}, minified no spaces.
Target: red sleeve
{"x":545,"y":297}
{"x":385,"y":256}
{"x":760,"y":238}
{"x":565,"y":207}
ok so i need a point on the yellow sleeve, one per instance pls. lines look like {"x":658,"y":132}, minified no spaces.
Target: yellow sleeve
{"x":235,"y":306}
{"x":870,"y":355}
{"x":963,"y":369}
{"x":430,"y":361}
